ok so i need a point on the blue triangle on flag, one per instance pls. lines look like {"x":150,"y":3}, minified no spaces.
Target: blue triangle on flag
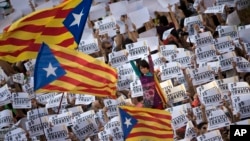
{"x":76,"y":19}
{"x":127,"y":121}
{"x":47,"y":68}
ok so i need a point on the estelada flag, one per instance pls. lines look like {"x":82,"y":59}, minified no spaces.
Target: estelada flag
{"x":62,"y":25}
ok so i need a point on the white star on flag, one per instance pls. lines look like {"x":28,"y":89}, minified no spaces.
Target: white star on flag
{"x":77,"y":18}
{"x":50,"y":70}
{"x":127,"y":122}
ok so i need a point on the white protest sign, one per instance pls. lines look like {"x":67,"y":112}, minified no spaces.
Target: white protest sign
{"x":168,"y":50}
{"x":233,"y":19}
{"x":215,"y":9}
{"x":63,"y":118}
{"x":36,"y":127}
{"x":111,"y":105}
{"x":136,"y":89}
{"x":5,"y":95}
{"x":84,"y":99}
{"x":114,"y":122}
{"x":201,"y":75}
{"x":183,"y":108}
{"x":247,"y":48}
{"x":157,"y":60}
{"x":210,"y":136}
{"x":36,"y":113}
{"x":205,"y":54}
{"x":166,"y":33}
{"x":198,"y":114}
{"x":211,"y":97}
{"x":6,"y":118}
{"x":118,"y":8}
{"x":107,"y":25}
{"x":134,"y":5}
{"x":231,"y":31}
{"x":242,"y":4}
{"x":176,"y":94}
{"x":16,"y":134}
{"x":137,"y":50}
{"x":224,"y":44}
{"x":18,"y":78}
{"x":229,"y":3}
{"x":100,"y":117}
{"x":190,"y":131}
{"x":223,"y":85}
{"x":103,"y":135}
{"x":192,"y":20}
{"x":4,"y":131}
{"x":148,"y":33}
{"x":97,"y":11}
{"x":242,"y":65}
{"x":226,"y":61}
{"x":21,"y":100}
{"x":55,"y":133}
{"x":125,"y":72}
{"x":239,"y":88}
{"x":88,"y":46}
{"x":184,"y":58}
{"x":124,"y":84}
{"x":118,"y":58}
{"x":28,"y":87}
{"x":178,"y":120}
{"x":30,"y":65}
{"x":243,"y":27}
{"x":77,"y":110}
{"x":137,"y":18}
{"x":170,"y":70}
{"x":166,"y":85}
{"x":56,"y":100}
{"x":217,"y":119}
{"x":3,"y":76}
{"x":85,"y":129}
{"x":203,"y":39}
{"x":152,"y":42}
{"x":165,"y":3}
{"x":88,"y":115}
{"x":42,"y":98}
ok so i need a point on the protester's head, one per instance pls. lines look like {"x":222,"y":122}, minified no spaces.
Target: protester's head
{"x":107,"y":46}
{"x":247,"y":78}
{"x":144,"y":67}
{"x":202,"y":127}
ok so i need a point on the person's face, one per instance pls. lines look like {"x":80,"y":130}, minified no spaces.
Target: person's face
{"x":144,"y":70}
{"x":108,"y":47}
{"x":203,"y":129}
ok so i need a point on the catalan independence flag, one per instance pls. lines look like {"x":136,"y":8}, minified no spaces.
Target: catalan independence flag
{"x":62,"y":25}
{"x":59,"y":69}
{"x":139,"y":124}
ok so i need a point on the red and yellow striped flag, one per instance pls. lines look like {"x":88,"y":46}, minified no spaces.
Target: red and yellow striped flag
{"x":62,"y":25}
{"x":145,"y":124}
{"x":60,"y":69}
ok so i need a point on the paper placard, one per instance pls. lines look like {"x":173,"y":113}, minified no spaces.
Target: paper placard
{"x":55,"y":133}
{"x":85,"y":129}
{"x":157,"y":60}
{"x":226,"y":61}
{"x":178,"y":120}
{"x":170,"y":70}
{"x":107,"y":25}
{"x":239,"y":88}
{"x":124,"y":84}
{"x":224,"y":44}
{"x":64,"y":118}
{"x":101,"y":117}
{"x":148,"y":33}
{"x":166,"y":85}
{"x":184,"y":58}
{"x":243,"y":106}
{"x":88,"y":115}
{"x":137,"y":50}
{"x":242,"y":4}
{"x":242,"y":65}
{"x":84,"y":99}
{"x":134,"y":5}
{"x":36,"y":113}
{"x":229,"y":3}
{"x":210,"y":136}
{"x":18,"y":78}
{"x":77,"y":110}
{"x":88,"y":46}
{"x":125,"y":72}
{"x":118,"y":8}
{"x":203,"y":39}
{"x":168,"y":50}
{"x":152,"y":42}
{"x":36,"y":127}
{"x":198,"y":114}
{"x":136,"y":89}
{"x":29,"y":65}
{"x":118,"y":58}
{"x":233,"y":19}
{"x":5,"y":95}
{"x":16,"y":134}
{"x":231,"y":31}
{"x":247,"y":48}
{"x":137,"y":18}
{"x":217,"y":119}
{"x":29,"y":88}
{"x":103,"y":135}
{"x":43,"y":98}
{"x":3,"y":76}
{"x":21,"y":100}
{"x":4,"y":131}
{"x":211,"y":97}
{"x":190,"y":132}
{"x":55,"y":101}
{"x":215,"y":9}
{"x":165,"y":3}
{"x":111,"y":105}
{"x":6,"y":118}
{"x":192,"y":20}
{"x":166,"y":33}
{"x":97,"y":11}
{"x":201,"y":75}
{"x":213,"y":65}
{"x":205,"y":54}
{"x":177,"y":94}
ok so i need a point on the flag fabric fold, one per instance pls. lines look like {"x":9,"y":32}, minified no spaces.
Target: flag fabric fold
{"x":145,"y":124}
{"x":62,"y":25}
{"x":61,"y":69}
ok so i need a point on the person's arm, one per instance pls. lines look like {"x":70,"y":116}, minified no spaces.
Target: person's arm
{"x":150,"y":62}
{"x":135,"y":68}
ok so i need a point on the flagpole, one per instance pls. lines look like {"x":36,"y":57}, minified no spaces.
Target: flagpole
{"x":59,"y":108}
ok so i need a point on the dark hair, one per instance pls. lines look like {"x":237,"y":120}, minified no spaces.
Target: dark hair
{"x":199,"y":126}
{"x":144,"y":64}
{"x":163,"y":20}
